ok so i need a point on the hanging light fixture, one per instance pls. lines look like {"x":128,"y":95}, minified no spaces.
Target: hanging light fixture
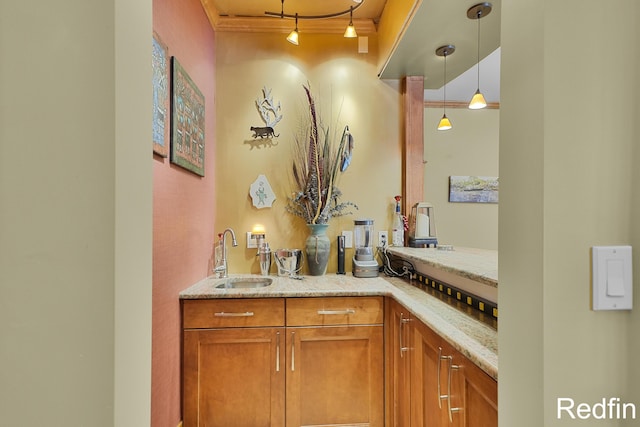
{"x":293,"y":35}
{"x":446,"y":50}
{"x":350,"y":32}
{"x":477,"y":12}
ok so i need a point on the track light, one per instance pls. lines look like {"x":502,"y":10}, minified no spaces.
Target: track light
{"x":478,"y":11}
{"x":293,"y":35}
{"x":350,"y":32}
{"x":446,"y":50}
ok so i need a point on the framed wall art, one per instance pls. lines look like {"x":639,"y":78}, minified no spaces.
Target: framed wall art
{"x":161,"y":67}
{"x":473,"y":189}
{"x":187,"y":122}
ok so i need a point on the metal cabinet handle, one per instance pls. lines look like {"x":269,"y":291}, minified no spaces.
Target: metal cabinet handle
{"x":329,"y":312}
{"x":440,"y":395}
{"x":403,"y":320}
{"x":277,"y":351}
{"x":225,"y":314}
{"x":293,"y":351}
{"x":451,"y":410}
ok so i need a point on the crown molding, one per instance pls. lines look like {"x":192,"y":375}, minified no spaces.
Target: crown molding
{"x":458,"y":104}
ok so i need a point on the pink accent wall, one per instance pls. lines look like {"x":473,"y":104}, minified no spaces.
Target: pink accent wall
{"x":183,"y":207}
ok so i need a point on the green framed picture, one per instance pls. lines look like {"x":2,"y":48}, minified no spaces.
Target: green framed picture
{"x":188,"y":120}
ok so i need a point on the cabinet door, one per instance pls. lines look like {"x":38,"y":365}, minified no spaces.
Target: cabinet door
{"x":429,"y":380}
{"x":398,"y":350}
{"x":234,"y":377}
{"x":335,"y":376}
{"x":476,"y":394}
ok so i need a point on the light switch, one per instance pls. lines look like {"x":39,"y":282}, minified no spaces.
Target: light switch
{"x":615,"y":278}
{"x":612,"y":278}
{"x":348,"y":238}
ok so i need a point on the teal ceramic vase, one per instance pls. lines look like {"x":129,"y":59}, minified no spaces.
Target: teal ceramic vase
{"x":317,"y":249}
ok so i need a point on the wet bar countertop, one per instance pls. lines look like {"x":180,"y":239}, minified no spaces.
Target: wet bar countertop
{"x":471,"y":270}
{"x":473,"y":338}
{"x":480,"y":265}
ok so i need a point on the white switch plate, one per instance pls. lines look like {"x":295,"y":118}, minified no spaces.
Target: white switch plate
{"x":252,"y":242}
{"x":612,"y":278}
{"x":348,"y":238}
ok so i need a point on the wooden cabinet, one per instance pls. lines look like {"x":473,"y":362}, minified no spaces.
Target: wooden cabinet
{"x":398,"y":373}
{"x":434,"y":389}
{"x":244,"y":365}
{"x":478,"y":394}
{"x":233,"y":371}
{"x":446,"y":388}
{"x":336,"y":362}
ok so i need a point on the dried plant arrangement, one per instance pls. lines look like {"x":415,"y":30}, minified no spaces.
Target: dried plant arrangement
{"x":318,"y":158}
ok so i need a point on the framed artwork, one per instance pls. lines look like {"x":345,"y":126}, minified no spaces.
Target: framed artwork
{"x":160,"y":65}
{"x":473,"y":189}
{"x":187,"y":122}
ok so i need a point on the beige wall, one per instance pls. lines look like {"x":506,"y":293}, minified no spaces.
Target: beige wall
{"x":469,"y":148}
{"x":344,"y":82}
{"x":75,"y":210}
{"x":566,"y":185}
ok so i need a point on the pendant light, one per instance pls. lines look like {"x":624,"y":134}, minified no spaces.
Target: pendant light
{"x":350,"y":32}
{"x":293,"y":35}
{"x":477,"y":12}
{"x":446,"y":50}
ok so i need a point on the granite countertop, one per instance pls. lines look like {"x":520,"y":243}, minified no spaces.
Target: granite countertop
{"x":480,"y":265}
{"x":476,"y":340}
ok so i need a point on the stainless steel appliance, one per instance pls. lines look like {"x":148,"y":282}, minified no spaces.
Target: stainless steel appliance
{"x":364,"y":263}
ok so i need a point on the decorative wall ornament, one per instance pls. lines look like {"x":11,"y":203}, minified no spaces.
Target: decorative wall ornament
{"x":317,"y":159}
{"x":270,"y":113}
{"x":261,"y":193}
{"x":188,"y":120}
{"x":160,"y":65}
{"x":473,"y":189}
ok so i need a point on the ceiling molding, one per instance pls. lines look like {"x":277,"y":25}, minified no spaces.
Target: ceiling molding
{"x":458,"y":104}
{"x":211,"y":11}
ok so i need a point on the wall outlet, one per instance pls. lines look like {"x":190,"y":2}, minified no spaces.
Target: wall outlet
{"x":348,"y":238}
{"x":383,"y":239}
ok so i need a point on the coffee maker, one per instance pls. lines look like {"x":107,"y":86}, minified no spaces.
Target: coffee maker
{"x":364,"y":263}
{"x":422,"y":226}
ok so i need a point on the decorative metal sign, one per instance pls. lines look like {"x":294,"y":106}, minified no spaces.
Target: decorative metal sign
{"x":270,"y":113}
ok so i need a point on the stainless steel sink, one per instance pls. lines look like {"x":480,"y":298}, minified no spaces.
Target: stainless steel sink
{"x":245,"y":282}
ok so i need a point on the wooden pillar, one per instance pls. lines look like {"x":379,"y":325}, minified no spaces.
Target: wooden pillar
{"x":413,"y":144}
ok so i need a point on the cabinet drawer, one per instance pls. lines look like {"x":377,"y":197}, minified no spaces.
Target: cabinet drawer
{"x":230,"y":313}
{"x":334,"y":311}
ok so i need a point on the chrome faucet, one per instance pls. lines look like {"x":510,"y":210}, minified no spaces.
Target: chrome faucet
{"x":223,"y":269}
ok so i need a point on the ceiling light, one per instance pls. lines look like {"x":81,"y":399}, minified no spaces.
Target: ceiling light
{"x":350,"y":32}
{"x":293,"y":35}
{"x":478,"y":11}
{"x":446,"y":50}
